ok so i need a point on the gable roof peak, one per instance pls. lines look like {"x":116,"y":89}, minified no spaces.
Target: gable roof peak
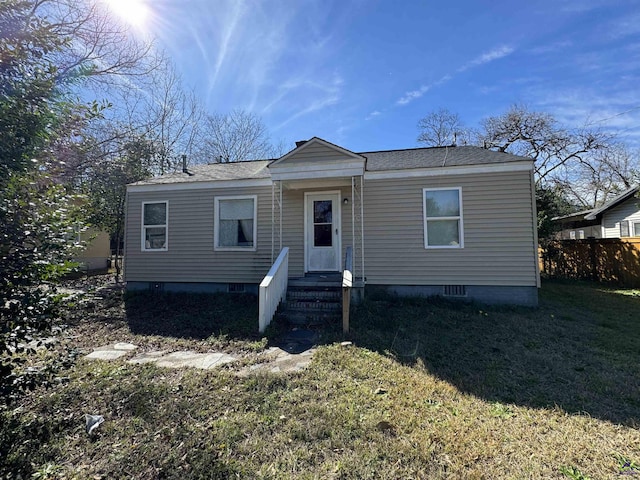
{"x":302,"y":145}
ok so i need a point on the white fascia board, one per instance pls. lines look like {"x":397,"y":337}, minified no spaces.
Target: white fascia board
{"x":313,"y":173}
{"x":438,"y":171}
{"x":317,"y":183}
{"x":321,"y":165}
{"x":166,"y":187}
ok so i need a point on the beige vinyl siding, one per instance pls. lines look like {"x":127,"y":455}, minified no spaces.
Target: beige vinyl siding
{"x":190,"y":256}
{"x":498,"y":232}
{"x":628,"y":211}
{"x":293,"y":225}
{"x":315,"y":153}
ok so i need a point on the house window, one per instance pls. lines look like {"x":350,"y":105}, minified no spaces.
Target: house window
{"x":581,"y":234}
{"x":624,"y":228}
{"x":572,"y":235}
{"x":155,"y":220}
{"x":235,"y":224}
{"x":443,"y":218}
{"x":636,"y":229}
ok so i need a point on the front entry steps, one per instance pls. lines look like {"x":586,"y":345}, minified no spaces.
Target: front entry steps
{"x":313,"y":301}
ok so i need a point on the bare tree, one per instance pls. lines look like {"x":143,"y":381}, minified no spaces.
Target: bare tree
{"x":610,"y":171}
{"x":99,"y":47}
{"x":555,"y":149}
{"x":174,"y":116}
{"x":442,"y":128}
{"x":234,"y":137}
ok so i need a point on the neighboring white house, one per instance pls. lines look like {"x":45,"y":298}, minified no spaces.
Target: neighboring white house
{"x":457,"y":221}
{"x":618,"y":218}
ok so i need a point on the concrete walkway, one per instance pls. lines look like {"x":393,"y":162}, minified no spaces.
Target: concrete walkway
{"x":273,"y":359}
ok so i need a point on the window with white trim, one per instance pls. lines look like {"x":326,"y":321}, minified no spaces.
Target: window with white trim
{"x":572,"y":235}
{"x":235,"y":223}
{"x":636,"y":229}
{"x":442,"y":210}
{"x":155,"y":222}
{"x":624,"y":228}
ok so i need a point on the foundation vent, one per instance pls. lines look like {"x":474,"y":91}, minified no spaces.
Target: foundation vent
{"x":236,"y":288}
{"x":454,"y":291}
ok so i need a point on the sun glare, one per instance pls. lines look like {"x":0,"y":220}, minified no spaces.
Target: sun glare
{"x":134,"y":12}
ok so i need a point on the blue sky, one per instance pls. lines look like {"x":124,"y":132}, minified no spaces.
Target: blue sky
{"x":362,"y":73}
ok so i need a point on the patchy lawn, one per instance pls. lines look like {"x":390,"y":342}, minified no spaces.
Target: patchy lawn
{"x":428,"y":390}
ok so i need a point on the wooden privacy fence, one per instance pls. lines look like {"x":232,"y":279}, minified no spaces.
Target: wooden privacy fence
{"x":612,"y":260}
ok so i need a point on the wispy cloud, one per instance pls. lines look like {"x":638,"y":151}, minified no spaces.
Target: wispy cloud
{"x":550,"y":48}
{"x":488,"y":57}
{"x":230,"y":24}
{"x":325,"y":94}
{"x":373,"y":114}
{"x":617,"y":112}
{"x":624,"y":27}
{"x":409,"y":97}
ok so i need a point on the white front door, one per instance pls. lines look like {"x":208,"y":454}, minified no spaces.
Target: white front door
{"x":322,"y":232}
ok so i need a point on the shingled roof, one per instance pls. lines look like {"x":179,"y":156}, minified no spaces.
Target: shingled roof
{"x":436,"y":157}
{"x":430,"y":157}
{"x":255,"y":169}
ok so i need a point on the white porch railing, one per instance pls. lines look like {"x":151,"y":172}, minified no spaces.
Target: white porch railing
{"x":273,"y":288}
{"x":347,"y":283}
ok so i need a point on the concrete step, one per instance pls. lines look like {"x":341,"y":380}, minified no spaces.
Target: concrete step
{"x":313,"y":305}
{"x":312,"y":295}
{"x":309,"y":318}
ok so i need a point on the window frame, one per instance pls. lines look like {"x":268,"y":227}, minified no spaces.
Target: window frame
{"x":632,"y":230}
{"x":216,"y":224}
{"x":426,"y":219}
{"x":623,"y":224}
{"x":143,"y":244}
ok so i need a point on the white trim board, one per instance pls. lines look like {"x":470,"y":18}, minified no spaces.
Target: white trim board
{"x":440,"y":171}
{"x":212,"y":184}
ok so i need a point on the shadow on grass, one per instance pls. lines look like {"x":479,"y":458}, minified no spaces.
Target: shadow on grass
{"x":192,"y":316}
{"x":577,"y":351}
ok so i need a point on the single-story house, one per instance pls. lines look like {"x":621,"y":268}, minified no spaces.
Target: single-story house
{"x":454,"y":221}
{"x":618,"y":218}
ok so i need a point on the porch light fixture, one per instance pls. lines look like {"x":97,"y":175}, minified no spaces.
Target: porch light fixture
{"x":345,"y":201}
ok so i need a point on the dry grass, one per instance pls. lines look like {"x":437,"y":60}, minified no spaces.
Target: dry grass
{"x":429,"y":390}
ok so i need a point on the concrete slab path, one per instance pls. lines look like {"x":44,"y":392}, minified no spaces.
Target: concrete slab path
{"x":273,"y":359}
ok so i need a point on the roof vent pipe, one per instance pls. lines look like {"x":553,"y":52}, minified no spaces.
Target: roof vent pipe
{"x":299,"y":143}
{"x":184,"y":165}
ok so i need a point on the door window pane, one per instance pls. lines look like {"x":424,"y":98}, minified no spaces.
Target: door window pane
{"x":322,"y":236}
{"x":322,"y":211}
